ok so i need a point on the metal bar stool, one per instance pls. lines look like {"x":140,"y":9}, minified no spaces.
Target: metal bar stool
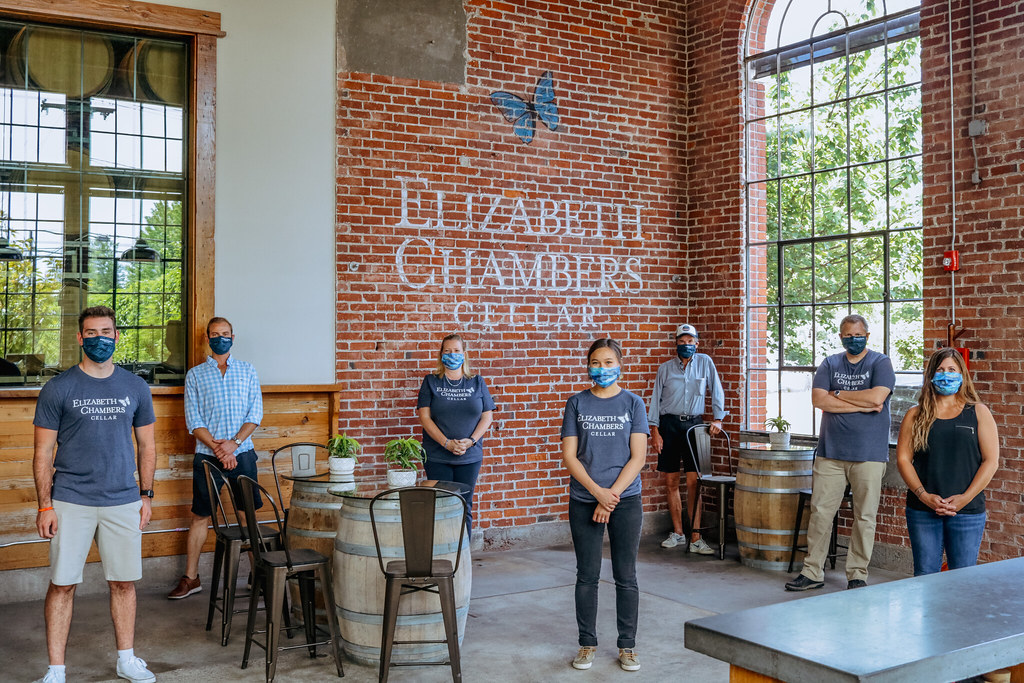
{"x":271,"y":571}
{"x":700,"y":438}
{"x":232,"y":541}
{"x":803,"y":501}
{"x":418,"y":571}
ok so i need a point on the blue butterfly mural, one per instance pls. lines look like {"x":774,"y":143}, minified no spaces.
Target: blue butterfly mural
{"x":523,"y":114}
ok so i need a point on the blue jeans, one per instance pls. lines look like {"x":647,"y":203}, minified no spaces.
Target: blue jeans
{"x":587,"y":540}
{"x":465,"y":475}
{"x":960,"y":535}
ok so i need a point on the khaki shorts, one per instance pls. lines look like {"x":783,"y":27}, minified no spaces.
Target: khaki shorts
{"x":117,"y":534}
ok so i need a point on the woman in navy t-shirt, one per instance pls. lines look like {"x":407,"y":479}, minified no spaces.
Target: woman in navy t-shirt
{"x":947,"y":452}
{"x":604,"y":446}
{"x":455,"y":410}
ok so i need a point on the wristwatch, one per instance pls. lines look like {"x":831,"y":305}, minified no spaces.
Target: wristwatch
{"x":146,"y":492}
{"x":238,"y":442}
{"x":836,"y":393}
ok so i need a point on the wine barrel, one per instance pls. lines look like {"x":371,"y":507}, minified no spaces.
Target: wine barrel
{"x":154,"y":70}
{"x":60,"y":60}
{"x":359,"y":584}
{"x":768,"y":483}
{"x":313,"y":523}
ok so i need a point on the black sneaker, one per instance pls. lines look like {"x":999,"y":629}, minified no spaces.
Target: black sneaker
{"x":855,"y":583}
{"x":802,"y":583}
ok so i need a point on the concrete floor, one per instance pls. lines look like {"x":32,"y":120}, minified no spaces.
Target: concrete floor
{"x":521,"y":625}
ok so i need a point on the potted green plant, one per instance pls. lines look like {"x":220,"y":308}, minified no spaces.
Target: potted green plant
{"x":401,"y":457}
{"x":344,"y":452}
{"x":780,"y":437}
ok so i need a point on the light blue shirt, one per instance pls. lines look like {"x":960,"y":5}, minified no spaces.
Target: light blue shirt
{"x":681,"y":390}
{"x":222,"y":403}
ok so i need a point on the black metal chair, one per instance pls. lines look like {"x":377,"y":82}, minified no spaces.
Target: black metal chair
{"x":834,"y":547}
{"x":271,"y":571}
{"x":700,"y":438}
{"x":319,"y":451}
{"x":232,"y":541}
{"x":418,"y":571}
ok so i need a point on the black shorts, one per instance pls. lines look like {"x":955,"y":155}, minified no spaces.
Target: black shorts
{"x":201,"y":505}
{"x":676,"y":448}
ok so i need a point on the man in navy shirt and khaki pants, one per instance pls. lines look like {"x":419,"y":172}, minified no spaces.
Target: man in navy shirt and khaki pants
{"x":852,"y":390}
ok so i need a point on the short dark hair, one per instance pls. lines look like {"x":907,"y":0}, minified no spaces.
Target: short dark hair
{"x":218,"y":319}
{"x":854,"y":319}
{"x":605,"y":344}
{"x":96,"y":312}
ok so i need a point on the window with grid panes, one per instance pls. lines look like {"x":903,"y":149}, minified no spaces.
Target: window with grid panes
{"x":93,"y":143}
{"x":833,"y":195}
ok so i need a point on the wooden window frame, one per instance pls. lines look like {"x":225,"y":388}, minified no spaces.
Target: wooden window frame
{"x":202,"y":29}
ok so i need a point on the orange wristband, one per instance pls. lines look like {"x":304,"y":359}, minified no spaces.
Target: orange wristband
{"x":45,"y":509}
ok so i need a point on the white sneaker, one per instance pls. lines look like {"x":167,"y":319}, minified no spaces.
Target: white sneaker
{"x":134,"y":670}
{"x":50,"y":677}
{"x":700,"y":547}
{"x":673,"y":540}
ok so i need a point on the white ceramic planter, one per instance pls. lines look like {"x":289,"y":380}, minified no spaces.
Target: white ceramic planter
{"x":779,"y":439}
{"x":399,"y":478}
{"x":341,"y":467}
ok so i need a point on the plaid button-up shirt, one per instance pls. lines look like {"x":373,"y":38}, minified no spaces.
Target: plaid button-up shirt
{"x":222,"y":403}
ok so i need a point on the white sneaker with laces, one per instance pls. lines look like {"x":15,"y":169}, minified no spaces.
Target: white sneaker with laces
{"x":134,"y":670}
{"x":701,"y":548}
{"x":673,"y":540}
{"x":50,"y":677}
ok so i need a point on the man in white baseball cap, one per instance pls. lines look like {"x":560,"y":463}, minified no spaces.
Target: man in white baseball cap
{"x":677,"y":405}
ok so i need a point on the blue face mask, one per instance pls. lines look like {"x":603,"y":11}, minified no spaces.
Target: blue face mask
{"x":686,"y":350}
{"x":452,"y":361}
{"x":98,"y":349}
{"x":604,"y":377}
{"x":947,"y":383}
{"x":855,"y":345}
{"x":220,"y":345}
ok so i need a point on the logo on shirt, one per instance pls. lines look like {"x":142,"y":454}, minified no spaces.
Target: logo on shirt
{"x":851,"y":381}
{"x":101,"y":408}
{"x":603,"y":425}
{"x":455,"y":393}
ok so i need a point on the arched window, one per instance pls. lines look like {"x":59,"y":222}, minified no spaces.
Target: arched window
{"x":833,"y":194}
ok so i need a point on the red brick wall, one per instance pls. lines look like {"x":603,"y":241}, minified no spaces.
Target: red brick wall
{"x":618,"y":71}
{"x":990,"y":221}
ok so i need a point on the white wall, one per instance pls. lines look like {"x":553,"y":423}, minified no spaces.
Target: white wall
{"x":275,"y":211}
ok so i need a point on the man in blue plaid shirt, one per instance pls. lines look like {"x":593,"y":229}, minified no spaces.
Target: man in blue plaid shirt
{"x":223,"y":407}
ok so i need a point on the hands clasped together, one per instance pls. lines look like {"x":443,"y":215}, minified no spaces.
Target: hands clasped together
{"x":224,"y":450}
{"x":606,"y":502}
{"x":944,"y":507}
{"x":458,"y":446}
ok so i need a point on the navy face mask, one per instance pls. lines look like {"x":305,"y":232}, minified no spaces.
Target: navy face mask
{"x":220,"y":345}
{"x":686,"y":350}
{"x":98,"y":349}
{"x":855,"y":345}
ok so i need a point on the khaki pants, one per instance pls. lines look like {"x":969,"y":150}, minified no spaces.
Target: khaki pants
{"x":828,"y":487}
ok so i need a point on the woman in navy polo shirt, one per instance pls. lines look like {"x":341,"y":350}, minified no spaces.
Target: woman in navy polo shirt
{"x":455,"y":410}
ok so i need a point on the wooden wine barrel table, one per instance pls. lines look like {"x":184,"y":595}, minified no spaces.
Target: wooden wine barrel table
{"x":768,"y":483}
{"x":359,"y":584}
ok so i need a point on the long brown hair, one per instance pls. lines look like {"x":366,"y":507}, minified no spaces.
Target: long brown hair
{"x":925,"y":417}
{"x":467,"y":370}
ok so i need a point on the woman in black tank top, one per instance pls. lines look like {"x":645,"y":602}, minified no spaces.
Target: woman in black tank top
{"x":947,"y":453}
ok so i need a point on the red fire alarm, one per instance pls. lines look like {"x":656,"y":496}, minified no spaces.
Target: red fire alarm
{"x":951,"y":260}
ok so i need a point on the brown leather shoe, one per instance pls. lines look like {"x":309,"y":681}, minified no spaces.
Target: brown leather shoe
{"x":185,"y":588}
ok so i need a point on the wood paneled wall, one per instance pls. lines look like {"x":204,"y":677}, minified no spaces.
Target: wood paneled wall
{"x":291,"y":413}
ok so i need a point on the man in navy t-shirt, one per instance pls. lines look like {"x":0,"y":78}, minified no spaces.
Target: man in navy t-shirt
{"x":88,"y":489}
{"x":852,"y":389}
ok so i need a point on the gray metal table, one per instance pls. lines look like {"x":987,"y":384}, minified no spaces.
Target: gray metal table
{"x":939,"y":627}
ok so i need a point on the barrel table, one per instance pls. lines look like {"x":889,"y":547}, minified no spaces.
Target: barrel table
{"x":768,"y":483}
{"x":359,"y":583}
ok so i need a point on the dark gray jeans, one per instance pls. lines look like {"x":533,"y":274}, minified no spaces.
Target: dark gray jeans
{"x":624,"y":539}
